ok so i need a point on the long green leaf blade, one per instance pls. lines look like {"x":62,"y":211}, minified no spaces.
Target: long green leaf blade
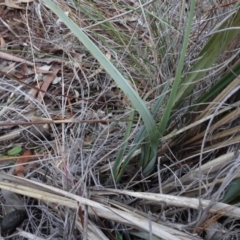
{"x":172,"y":98}
{"x":136,"y":101}
{"x":217,"y":44}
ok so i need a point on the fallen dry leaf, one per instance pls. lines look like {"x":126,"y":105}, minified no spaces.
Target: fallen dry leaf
{"x":24,"y":1}
{"x":77,"y":59}
{"x":10,"y":57}
{"x":44,"y":69}
{"x":10,"y":69}
{"x":47,"y":81}
{"x":40,"y":131}
{"x":109,"y":96}
{"x":33,"y":92}
{"x":11,"y":4}
{"x":19,"y":168}
{"x":2,"y":42}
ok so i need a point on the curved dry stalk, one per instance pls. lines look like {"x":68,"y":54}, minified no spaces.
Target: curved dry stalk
{"x":219,"y":208}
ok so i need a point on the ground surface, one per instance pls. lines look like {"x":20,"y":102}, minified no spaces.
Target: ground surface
{"x":80,"y":116}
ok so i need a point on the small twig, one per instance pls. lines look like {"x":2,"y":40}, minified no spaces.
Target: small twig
{"x":19,"y":157}
{"x":17,"y":123}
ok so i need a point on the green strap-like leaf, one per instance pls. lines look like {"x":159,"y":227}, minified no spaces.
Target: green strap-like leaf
{"x":174,"y":92}
{"x":232,"y":193}
{"x":216,"y":45}
{"x":136,"y":101}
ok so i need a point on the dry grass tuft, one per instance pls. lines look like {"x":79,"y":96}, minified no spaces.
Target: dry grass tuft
{"x":58,"y":164}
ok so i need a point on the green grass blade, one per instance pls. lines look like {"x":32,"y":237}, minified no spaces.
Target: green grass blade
{"x":122,"y":83}
{"x":173,"y":94}
{"x":135,"y":146}
{"x":147,"y":159}
{"x":141,"y":136}
{"x":216,"y":45}
{"x":237,"y":4}
{"x":117,"y":164}
{"x":232,"y":193}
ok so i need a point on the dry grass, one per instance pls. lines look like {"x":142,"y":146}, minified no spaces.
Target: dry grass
{"x":80,"y":118}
